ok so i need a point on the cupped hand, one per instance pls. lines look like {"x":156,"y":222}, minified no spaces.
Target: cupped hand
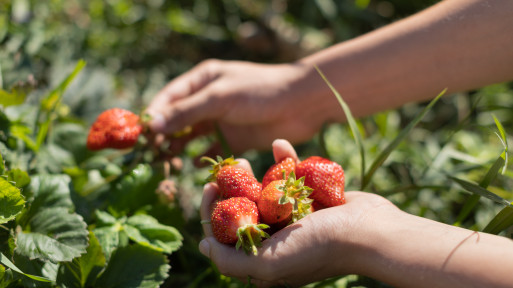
{"x":252,"y":104}
{"x":324,"y":244}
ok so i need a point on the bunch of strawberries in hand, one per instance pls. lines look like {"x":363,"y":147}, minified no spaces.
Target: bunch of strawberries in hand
{"x":247,"y":209}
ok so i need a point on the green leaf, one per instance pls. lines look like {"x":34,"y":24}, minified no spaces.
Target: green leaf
{"x":350,"y":120}
{"x":23,"y":133}
{"x":56,"y":235}
{"x":135,"y":266}
{"x":2,"y":165}
{"x":82,"y":271}
{"x":504,"y":141}
{"x":50,"y":191}
{"x":501,"y":221}
{"x":147,"y":231}
{"x":15,"y":97}
{"x":11,"y":201}
{"x":4,"y":260}
{"x":474,"y":198}
{"x":109,"y":238}
{"x":476,"y":189}
{"x":51,"y":100}
{"x":380,"y":159}
{"x":19,"y":177}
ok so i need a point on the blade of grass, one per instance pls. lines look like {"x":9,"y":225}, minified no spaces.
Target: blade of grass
{"x":4,"y":260}
{"x":501,"y":221}
{"x":380,"y":159}
{"x":476,"y":189}
{"x":350,"y":120}
{"x":504,"y":141}
{"x":474,"y":198}
{"x":51,"y":101}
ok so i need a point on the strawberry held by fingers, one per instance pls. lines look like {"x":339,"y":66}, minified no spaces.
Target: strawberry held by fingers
{"x":325,"y":177}
{"x":114,"y":128}
{"x":233,"y":181}
{"x":284,"y":199}
{"x":235,"y":221}
{"x":276,"y":171}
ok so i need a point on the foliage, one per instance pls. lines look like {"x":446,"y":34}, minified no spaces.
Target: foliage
{"x":73,"y":218}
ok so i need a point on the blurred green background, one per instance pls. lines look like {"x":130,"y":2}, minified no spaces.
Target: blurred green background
{"x":133,"y":48}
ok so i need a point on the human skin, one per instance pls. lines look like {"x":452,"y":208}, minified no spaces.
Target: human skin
{"x":366,"y":236}
{"x":456,"y":44}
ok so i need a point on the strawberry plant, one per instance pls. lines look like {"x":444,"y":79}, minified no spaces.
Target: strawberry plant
{"x":70,"y":217}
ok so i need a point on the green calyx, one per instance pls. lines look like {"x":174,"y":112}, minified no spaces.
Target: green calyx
{"x":217,"y":165}
{"x":250,"y":237}
{"x":296,"y":193}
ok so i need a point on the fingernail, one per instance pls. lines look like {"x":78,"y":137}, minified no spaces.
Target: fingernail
{"x":157,"y":122}
{"x":204,"y":248}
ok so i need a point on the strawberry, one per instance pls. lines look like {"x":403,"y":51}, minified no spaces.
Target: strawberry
{"x":114,"y":128}
{"x":233,"y":181}
{"x":278,"y":170}
{"x":284,"y":199}
{"x":235,"y":221}
{"x":325,"y":177}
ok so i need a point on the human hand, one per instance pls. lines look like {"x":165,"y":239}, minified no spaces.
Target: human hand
{"x":252,"y":104}
{"x":324,"y":244}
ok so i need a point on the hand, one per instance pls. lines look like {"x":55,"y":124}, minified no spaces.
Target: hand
{"x":252,"y":104}
{"x":323,"y":244}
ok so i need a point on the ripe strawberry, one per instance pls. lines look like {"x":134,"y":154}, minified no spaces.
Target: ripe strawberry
{"x":235,"y":221}
{"x":233,"y":181}
{"x":325,"y":177}
{"x":284,"y":199}
{"x":114,"y":128}
{"x":279,"y":170}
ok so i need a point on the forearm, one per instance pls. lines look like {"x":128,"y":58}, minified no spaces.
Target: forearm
{"x":409,"y":251}
{"x":456,"y":44}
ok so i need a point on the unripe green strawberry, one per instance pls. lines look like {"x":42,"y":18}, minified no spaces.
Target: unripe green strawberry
{"x":325,"y":177}
{"x":235,"y":221}
{"x":114,"y":128}
{"x":234,"y":181}
{"x":284,"y":199}
{"x":278,"y":170}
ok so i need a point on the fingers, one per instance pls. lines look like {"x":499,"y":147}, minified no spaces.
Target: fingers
{"x":210,"y":195}
{"x":283,"y":149}
{"x":186,"y":100}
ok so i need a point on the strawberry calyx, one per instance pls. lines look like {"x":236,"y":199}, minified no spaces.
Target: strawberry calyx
{"x":296,"y":193}
{"x":250,"y":237}
{"x":217,"y":165}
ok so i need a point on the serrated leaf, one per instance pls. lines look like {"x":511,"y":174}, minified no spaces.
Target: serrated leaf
{"x":4,"y":260}
{"x":19,"y":177}
{"x":501,"y":221}
{"x":104,"y":218}
{"x":109,"y":239}
{"x":380,"y":159}
{"x":82,"y":271}
{"x":11,"y":201}
{"x":135,"y":266}
{"x":147,"y":231}
{"x":50,"y":191}
{"x":56,"y":235}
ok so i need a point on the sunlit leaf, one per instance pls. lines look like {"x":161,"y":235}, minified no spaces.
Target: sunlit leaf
{"x":11,"y":201}
{"x":350,"y":120}
{"x":12,"y":98}
{"x":501,"y":221}
{"x":476,"y":189}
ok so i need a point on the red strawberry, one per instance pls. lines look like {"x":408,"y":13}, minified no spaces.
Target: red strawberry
{"x":235,"y":221}
{"x":234,"y":181}
{"x":325,"y":177}
{"x":279,"y":170}
{"x":284,"y":199}
{"x":114,"y":128}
